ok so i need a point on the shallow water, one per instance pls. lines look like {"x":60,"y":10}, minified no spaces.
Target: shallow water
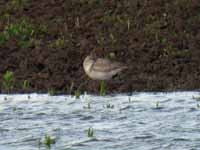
{"x":143,"y":121}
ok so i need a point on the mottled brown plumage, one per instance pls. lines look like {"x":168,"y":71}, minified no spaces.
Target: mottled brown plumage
{"x":101,"y":68}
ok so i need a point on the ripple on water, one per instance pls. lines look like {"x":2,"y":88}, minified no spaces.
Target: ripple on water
{"x":142,"y":121}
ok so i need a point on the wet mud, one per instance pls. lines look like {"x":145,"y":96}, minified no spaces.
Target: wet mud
{"x":159,"y":40}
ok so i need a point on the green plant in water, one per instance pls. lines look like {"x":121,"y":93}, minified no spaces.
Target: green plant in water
{"x":110,"y":106}
{"x":14,"y":108}
{"x":48,"y":140}
{"x":157,"y":104}
{"x":77,"y":94}
{"x":88,"y":106}
{"x":25,"y":84}
{"x":90,"y":132}
{"x":8,"y":81}
{"x":198,"y":106}
{"x":102,"y":88}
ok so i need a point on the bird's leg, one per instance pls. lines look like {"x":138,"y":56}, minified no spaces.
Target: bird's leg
{"x":82,"y":84}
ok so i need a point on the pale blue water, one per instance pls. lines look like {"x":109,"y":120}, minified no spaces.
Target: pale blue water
{"x":135,"y":122}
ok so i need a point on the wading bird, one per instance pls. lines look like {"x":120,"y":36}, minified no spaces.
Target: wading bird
{"x":102,"y":68}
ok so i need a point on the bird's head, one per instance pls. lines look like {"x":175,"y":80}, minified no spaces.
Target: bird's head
{"x":88,"y":62}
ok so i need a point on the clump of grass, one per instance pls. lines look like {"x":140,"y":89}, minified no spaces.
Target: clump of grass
{"x":17,"y":4}
{"x":22,"y":30}
{"x":101,"y":39}
{"x":48,"y":140}
{"x":51,"y":91}
{"x":77,"y":94}
{"x":25,"y":84}
{"x":90,"y":132}
{"x":35,"y":42}
{"x":8,"y":81}
{"x":3,"y":37}
{"x":58,"y":43}
{"x":43,"y":28}
{"x":112,"y":38}
{"x":102,"y":88}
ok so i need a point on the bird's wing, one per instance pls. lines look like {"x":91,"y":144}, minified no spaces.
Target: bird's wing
{"x":105,"y":65}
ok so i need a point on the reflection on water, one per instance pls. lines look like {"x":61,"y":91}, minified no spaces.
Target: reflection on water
{"x":143,"y":121}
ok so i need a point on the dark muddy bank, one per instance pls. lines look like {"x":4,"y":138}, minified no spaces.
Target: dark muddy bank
{"x":45,"y":42}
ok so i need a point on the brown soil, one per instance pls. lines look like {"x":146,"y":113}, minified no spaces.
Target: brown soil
{"x":159,"y":40}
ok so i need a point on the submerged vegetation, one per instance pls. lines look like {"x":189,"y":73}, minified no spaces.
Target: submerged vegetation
{"x":48,"y":140}
{"x":90,"y":132}
{"x":109,"y":106}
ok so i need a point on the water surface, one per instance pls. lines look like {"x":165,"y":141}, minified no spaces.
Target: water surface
{"x":143,"y":121}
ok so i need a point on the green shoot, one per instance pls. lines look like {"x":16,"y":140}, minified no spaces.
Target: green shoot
{"x":90,"y":132}
{"x":8,"y":81}
{"x":48,"y":140}
{"x":157,"y":104}
{"x":23,"y":30}
{"x":102,"y":88}
{"x":110,"y":106}
{"x":14,"y":108}
{"x":25,"y":84}
{"x":77,"y":94}
{"x":58,"y":43}
{"x":198,"y":106}
{"x":51,"y":91}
